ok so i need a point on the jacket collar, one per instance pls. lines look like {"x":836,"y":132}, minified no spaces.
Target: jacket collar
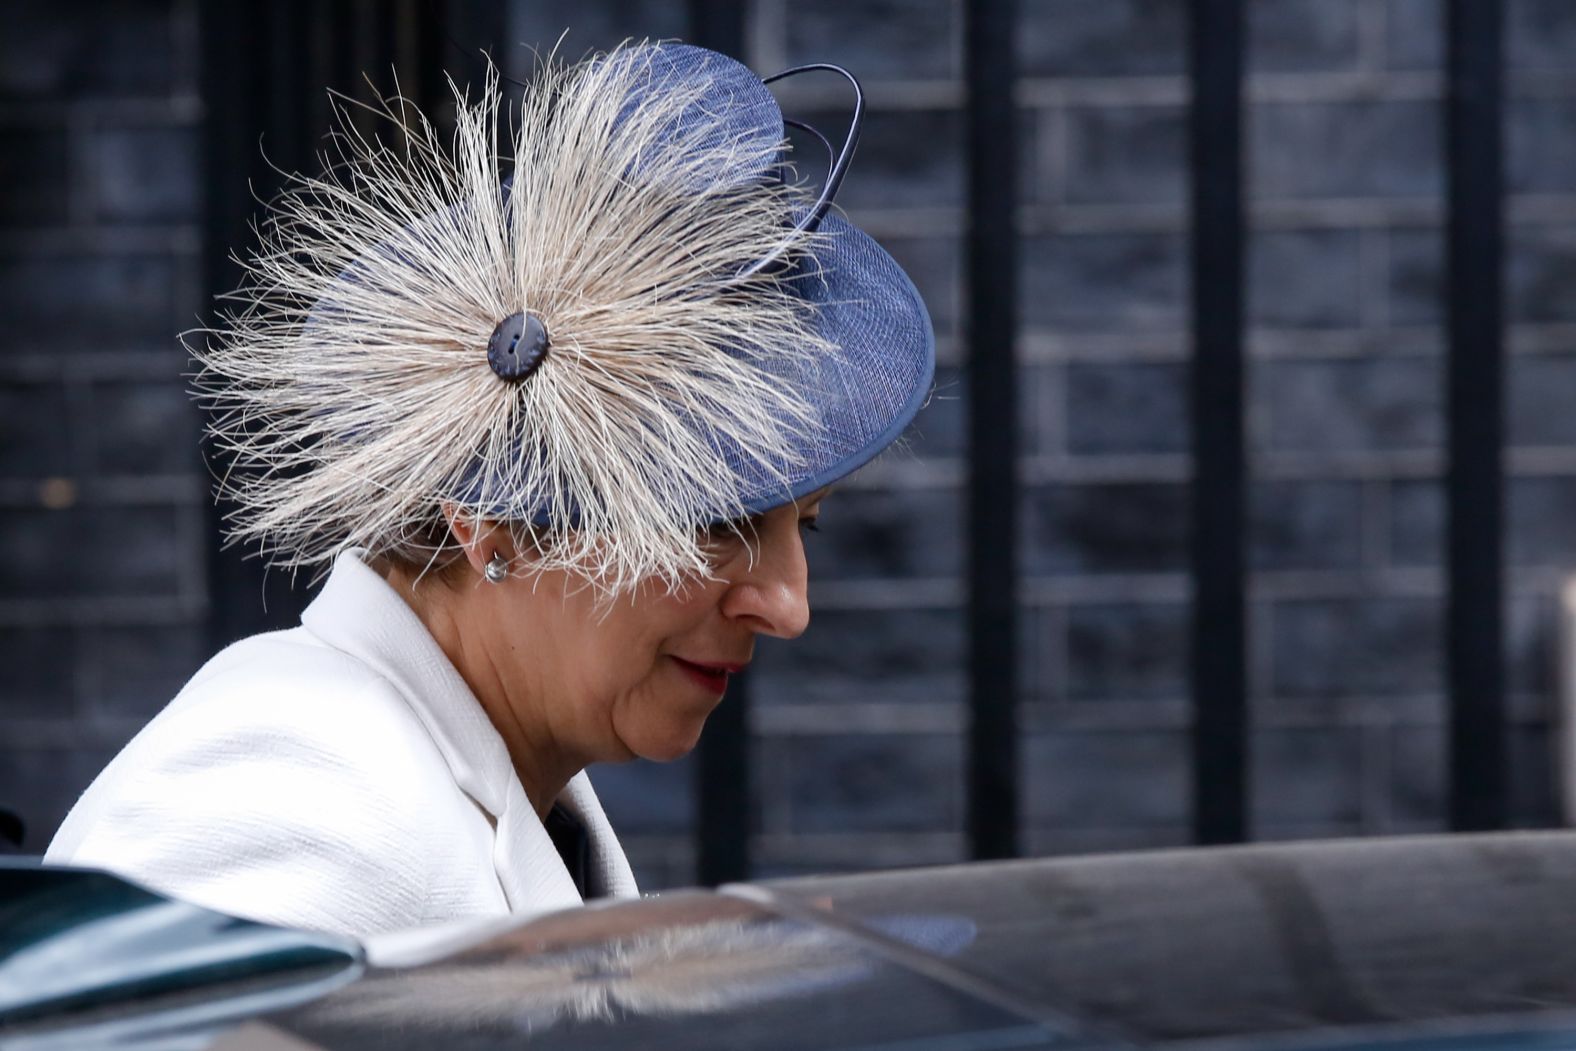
{"x":359,"y":614}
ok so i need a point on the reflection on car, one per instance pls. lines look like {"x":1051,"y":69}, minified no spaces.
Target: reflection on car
{"x":1458,"y":942}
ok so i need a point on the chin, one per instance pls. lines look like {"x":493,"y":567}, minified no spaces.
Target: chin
{"x":675,"y":744}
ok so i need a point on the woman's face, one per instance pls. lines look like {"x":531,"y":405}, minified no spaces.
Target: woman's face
{"x":639,"y":679}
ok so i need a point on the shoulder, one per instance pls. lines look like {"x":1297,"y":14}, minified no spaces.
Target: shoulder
{"x":287,"y":781}
{"x":286,"y":704}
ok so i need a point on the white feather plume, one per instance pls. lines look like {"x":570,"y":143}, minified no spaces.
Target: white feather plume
{"x":349,"y":384}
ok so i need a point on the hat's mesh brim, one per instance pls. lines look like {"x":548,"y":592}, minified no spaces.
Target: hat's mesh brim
{"x":868,"y":391}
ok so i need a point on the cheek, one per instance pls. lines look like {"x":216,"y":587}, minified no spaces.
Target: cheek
{"x":621,"y":662}
{"x":658,"y":712}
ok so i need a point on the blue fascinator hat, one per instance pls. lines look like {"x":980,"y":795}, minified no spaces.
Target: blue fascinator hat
{"x":606,"y":323}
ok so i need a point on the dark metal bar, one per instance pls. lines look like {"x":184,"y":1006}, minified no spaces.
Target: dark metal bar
{"x":243,"y":598}
{"x":1219,"y":648}
{"x":993,"y":433}
{"x":723,"y":789}
{"x":266,"y":70}
{"x":1475,"y":484}
{"x":286,"y":141}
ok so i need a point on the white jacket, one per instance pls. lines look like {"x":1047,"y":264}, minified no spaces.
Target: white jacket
{"x":339,"y":776}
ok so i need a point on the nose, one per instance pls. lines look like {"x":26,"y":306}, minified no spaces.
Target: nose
{"x":771,"y":593}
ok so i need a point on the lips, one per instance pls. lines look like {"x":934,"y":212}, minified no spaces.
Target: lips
{"x":713,"y":677}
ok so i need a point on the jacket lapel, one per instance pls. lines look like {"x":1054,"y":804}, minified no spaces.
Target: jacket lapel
{"x":531,"y":873}
{"x":610,"y":872}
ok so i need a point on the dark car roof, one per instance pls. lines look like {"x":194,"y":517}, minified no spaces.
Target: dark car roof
{"x":1199,"y":943}
{"x":1308,"y":943}
{"x":1443,"y":942}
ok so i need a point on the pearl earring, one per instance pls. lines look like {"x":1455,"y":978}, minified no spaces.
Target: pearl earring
{"x":497,"y":569}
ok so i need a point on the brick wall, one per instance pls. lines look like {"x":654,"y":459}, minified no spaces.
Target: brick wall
{"x":101,"y":588}
{"x":857,"y":727}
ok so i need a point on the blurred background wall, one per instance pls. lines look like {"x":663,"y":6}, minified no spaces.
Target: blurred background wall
{"x":857,"y":730}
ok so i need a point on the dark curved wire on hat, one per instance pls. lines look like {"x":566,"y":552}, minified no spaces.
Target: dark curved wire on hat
{"x":641,"y":331}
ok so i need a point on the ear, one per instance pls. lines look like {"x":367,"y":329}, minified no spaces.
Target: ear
{"x":480,"y":537}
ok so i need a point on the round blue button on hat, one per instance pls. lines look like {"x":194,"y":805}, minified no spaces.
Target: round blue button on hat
{"x":518,"y":346}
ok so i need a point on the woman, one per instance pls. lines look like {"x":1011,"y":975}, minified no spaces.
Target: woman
{"x":557,"y":437}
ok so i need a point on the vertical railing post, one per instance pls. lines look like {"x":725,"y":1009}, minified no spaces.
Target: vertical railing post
{"x":723,"y":789}
{"x":1475,"y":484}
{"x":1218,"y":541}
{"x":993,"y":432}
{"x":265,"y":72}
{"x":238,"y":101}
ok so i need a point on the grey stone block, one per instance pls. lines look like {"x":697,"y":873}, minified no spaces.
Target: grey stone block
{"x":1042,"y":409}
{"x":897,"y":39}
{"x":1414,"y":34}
{"x":1416,"y":786}
{"x":1107,"y":38}
{"x":1541,"y":388}
{"x":940,"y":431}
{"x":935,"y":265}
{"x":1357,"y":646}
{"x":1305,"y":525}
{"x":1304,"y":278}
{"x":1345,"y":149}
{"x":1129,"y":407}
{"x":95,"y":48}
{"x":1542,"y":273}
{"x":1042,"y":654}
{"x":1105,"y":779}
{"x":1305,"y":831}
{"x":1307,"y":775}
{"x":1302,"y":36}
{"x":1417,"y":522}
{"x":907,"y":158}
{"x":590,"y":27}
{"x":41,"y":785}
{"x":1117,"y":527}
{"x":138,"y":551}
{"x":869,"y":782}
{"x":1540,"y":156}
{"x":781,"y":857}
{"x":1534,"y":779}
{"x":144,"y":428}
{"x":1531,"y":633}
{"x":859,"y":655}
{"x":1037,"y":177}
{"x":33,"y":174}
{"x":35,"y":437}
{"x":1346,"y":405}
{"x":1056,"y":842}
{"x":131,"y":551}
{"x":63,"y":303}
{"x":1540,"y":35}
{"x":1122,"y":154}
{"x":131,"y":671}
{"x":888,"y":534}
{"x":648,"y":798}
{"x":1117,"y":281}
{"x":143,"y":174}
{"x":660,"y":862}
{"x":1538,"y":521}
{"x":40,"y":673}
{"x":1415,"y":277}
{"x":43,"y":552}
{"x":1127,"y":651}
